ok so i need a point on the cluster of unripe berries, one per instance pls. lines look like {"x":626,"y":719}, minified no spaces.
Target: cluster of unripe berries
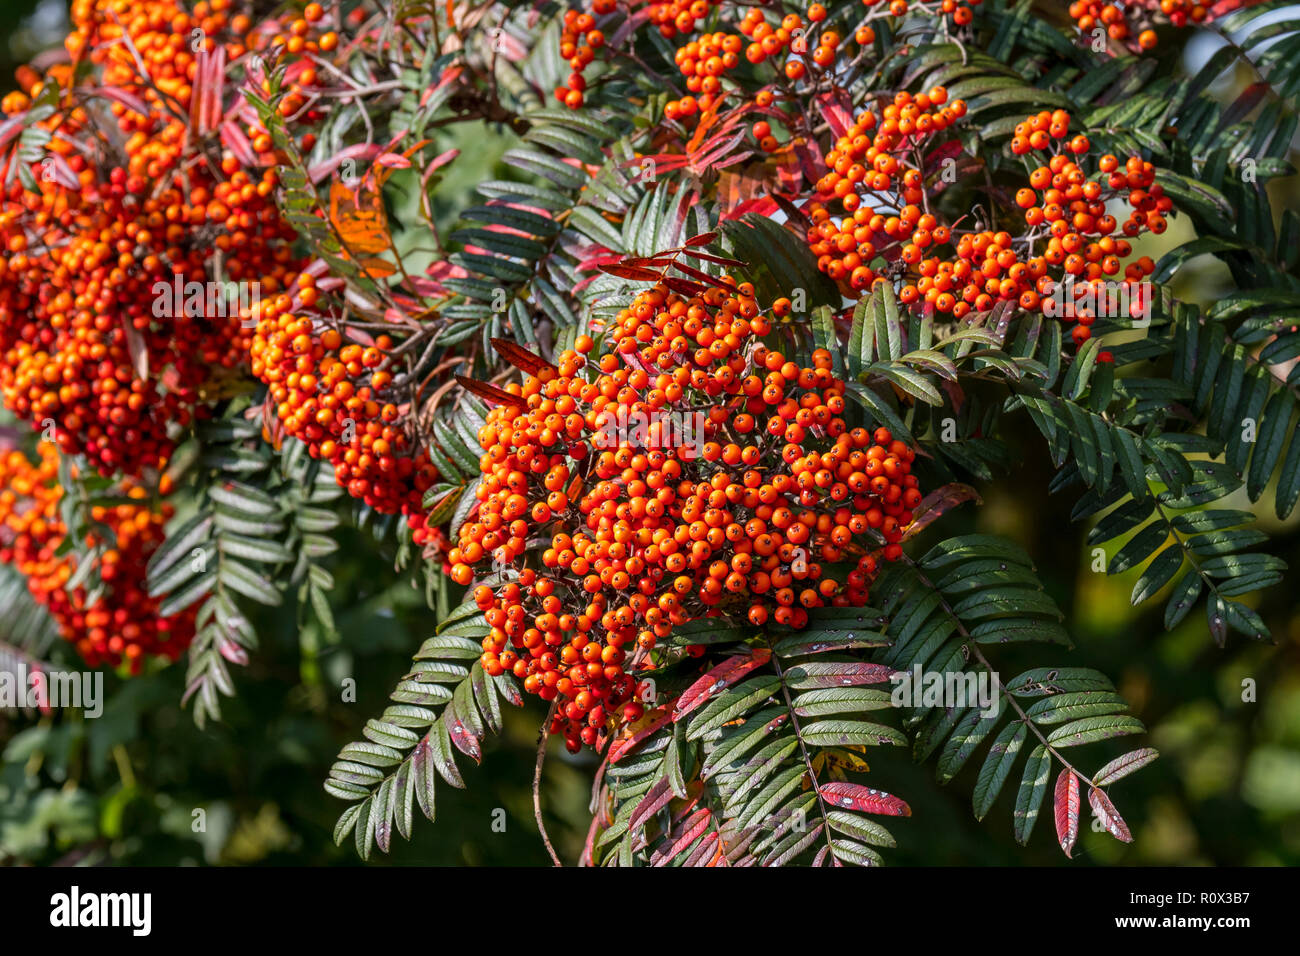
{"x":1064,"y":205}
{"x":122,"y":625}
{"x":687,"y":472}
{"x":337,"y":397}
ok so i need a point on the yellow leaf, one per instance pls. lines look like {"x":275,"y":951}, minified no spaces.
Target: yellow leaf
{"x":360,"y":218}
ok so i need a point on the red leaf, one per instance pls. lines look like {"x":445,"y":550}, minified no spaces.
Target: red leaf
{"x":490,"y":393}
{"x":720,"y":260}
{"x":724,"y":675}
{"x":949,"y":150}
{"x":683,"y":837}
{"x":838,"y":111}
{"x":642,"y":262}
{"x":528,"y":362}
{"x":656,"y":798}
{"x":854,"y":796}
{"x":1066,"y":802}
{"x":622,"y":748}
{"x":362,"y":151}
{"x":703,"y":239}
{"x":462,"y":737}
{"x":232,"y":652}
{"x":233,"y":138}
{"x":1109,"y":816}
{"x":634,"y":273}
{"x":684,"y":286}
{"x":708,"y":853}
{"x":704,"y":277}
{"x":937,"y":503}
{"x":129,"y":100}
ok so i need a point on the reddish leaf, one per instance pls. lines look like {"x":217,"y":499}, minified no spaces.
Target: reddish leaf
{"x":462,"y":737}
{"x":656,"y":798}
{"x":949,"y":150}
{"x":630,"y":272}
{"x":232,"y":652}
{"x":360,"y":151}
{"x":623,"y":747}
{"x":720,"y":260}
{"x":704,"y":277}
{"x":703,"y":239}
{"x":642,"y":262}
{"x":1124,"y":765}
{"x":1109,"y":816}
{"x":683,"y":286}
{"x":377,"y":268}
{"x":724,"y":675}
{"x":62,"y":172}
{"x":360,"y":218}
{"x":490,"y":393}
{"x":11,"y":127}
{"x":840,"y":674}
{"x":1066,"y":802}
{"x":854,"y":796}
{"x":937,"y":503}
{"x":683,"y":837}
{"x":528,"y":362}
{"x":233,"y":138}
{"x":708,"y":853}
{"x":838,"y":111}
{"x":129,"y":100}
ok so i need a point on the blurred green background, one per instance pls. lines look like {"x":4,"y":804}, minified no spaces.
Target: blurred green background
{"x":125,"y":788}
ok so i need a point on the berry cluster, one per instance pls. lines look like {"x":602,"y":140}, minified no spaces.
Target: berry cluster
{"x":868,"y":171}
{"x":93,"y":339}
{"x":674,"y":17}
{"x":690,"y":472}
{"x":123,"y":624}
{"x":1065,"y":208}
{"x":336,"y":397}
{"x":1130,"y":23}
{"x":578,"y":44}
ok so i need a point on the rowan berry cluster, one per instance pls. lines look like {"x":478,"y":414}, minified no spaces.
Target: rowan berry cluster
{"x":337,"y":397}
{"x":1065,"y":208}
{"x":579,"y":42}
{"x":688,"y":472}
{"x":123,"y":624}
{"x":675,"y":17}
{"x":868,"y":173}
{"x":1131,"y":22}
{"x":93,"y":342}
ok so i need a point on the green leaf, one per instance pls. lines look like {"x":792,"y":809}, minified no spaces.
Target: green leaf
{"x":1029,"y":799}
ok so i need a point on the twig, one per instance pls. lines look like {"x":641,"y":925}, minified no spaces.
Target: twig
{"x":537,"y":783}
